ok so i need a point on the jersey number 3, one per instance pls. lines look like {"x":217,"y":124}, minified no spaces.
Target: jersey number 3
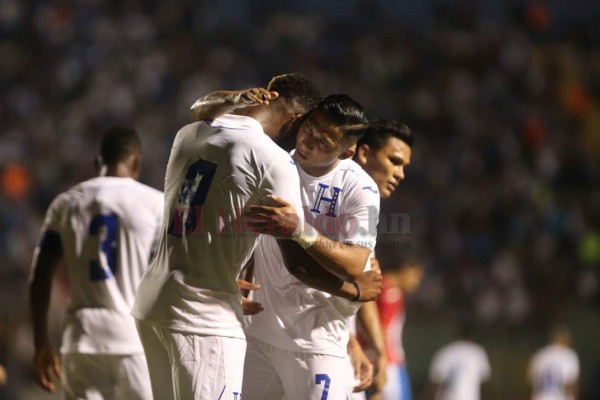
{"x":192,"y":196}
{"x":107,"y":226}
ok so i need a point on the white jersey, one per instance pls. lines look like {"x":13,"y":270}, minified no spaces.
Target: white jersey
{"x":215,"y":172}
{"x":460,"y":367}
{"x":344,"y":206}
{"x":550,"y":370}
{"x":108,"y":227}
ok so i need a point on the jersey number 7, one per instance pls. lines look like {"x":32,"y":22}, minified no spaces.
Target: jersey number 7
{"x":325,"y":379}
{"x":192,"y":196}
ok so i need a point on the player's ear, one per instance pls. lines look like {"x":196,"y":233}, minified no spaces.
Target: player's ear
{"x":136,"y":165}
{"x":98,"y":164}
{"x":348,"y":153}
{"x":362,"y":154}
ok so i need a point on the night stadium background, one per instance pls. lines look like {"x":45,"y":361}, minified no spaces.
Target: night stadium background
{"x":502,"y":196}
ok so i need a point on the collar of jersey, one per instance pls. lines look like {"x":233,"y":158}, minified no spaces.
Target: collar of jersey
{"x":232,"y":121}
{"x":341,"y":164}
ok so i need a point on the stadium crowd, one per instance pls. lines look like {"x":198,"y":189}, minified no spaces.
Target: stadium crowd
{"x":502,"y":196}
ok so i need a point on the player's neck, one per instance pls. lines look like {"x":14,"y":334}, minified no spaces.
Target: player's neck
{"x":117,"y":171}
{"x":318,"y":171}
{"x":260,"y":114}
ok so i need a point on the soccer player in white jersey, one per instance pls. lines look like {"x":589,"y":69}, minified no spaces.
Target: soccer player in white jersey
{"x":105,"y":230}
{"x":298,"y":345}
{"x":188,"y":305}
{"x":554,"y":370}
{"x":458,"y":369}
{"x":327,"y":134}
{"x":384,"y":152}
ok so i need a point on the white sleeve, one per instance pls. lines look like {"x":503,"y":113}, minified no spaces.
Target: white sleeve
{"x":437,"y":373}
{"x":281,"y":180}
{"x":486,"y":369}
{"x":158,"y":217}
{"x":572,"y":368}
{"x":360,"y":217}
{"x":55,"y":215}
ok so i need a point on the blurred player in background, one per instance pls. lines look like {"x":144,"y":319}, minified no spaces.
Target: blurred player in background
{"x":400,"y":279}
{"x":458,"y":369}
{"x":384,"y":151}
{"x":298,"y":345}
{"x":554,"y":370}
{"x":105,"y":230}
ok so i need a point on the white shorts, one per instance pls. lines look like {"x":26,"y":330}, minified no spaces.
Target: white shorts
{"x":105,"y":376}
{"x":270,"y":373}
{"x":188,"y":366}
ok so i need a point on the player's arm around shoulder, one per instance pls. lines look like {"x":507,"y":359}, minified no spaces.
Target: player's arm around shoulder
{"x":346,"y":260}
{"x":324,"y":264}
{"x":216,"y":104}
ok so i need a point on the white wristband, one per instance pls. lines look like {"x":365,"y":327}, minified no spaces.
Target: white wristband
{"x":305,"y":235}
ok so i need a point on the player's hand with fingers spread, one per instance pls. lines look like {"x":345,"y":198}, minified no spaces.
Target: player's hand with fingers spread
{"x":369,"y":283}
{"x":279,"y":220}
{"x":253,"y":97}
{"x":249,"y":307}
{"x":46,"y":366}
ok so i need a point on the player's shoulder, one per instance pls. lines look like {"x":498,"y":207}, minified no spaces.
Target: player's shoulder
{"x":144,"y":189}
{"x":357,"y":181}
{"x":354,"y":175}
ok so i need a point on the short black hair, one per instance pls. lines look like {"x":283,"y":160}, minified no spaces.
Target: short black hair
{"x":380,"y":130}
{"x":297,"y":90}
{"x":118,"y":143}
{"x":346,"y":113}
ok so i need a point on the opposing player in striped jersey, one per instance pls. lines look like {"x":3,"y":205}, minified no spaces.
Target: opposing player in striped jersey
{"x":105,"y":230}
{"x":188,"y":304}
{"x":554,"y":369}
{"x":399,"y":280}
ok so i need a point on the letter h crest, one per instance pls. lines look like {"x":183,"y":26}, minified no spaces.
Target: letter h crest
{"x":321,"y":198}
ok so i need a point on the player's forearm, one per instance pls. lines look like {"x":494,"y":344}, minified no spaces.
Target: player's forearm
{"x":310,"y":273}
{"x":346,"y":261}
{"x":368,"y":315}
{"x":214,"y":104}
{"x":39,"y":301}
{"x":40,"y":288}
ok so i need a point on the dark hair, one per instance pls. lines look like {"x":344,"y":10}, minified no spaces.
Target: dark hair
{"x":344,"y":112}
{"x":380,"y":130}
{"x":119,"y":142}
{"x":296,"y":90}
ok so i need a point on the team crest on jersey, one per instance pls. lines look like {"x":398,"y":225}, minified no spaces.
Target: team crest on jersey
{"x":322,"y":198}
